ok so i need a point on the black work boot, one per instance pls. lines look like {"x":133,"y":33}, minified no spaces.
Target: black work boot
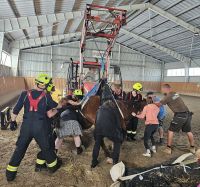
{"x":94,"y":163}
{"x":128,"y":137}
{"x":79,"y":150}
{"x":40,"y":167}
{"x":10,"y":175}
{"x":133,"y":137}
{"x":56,"y":167}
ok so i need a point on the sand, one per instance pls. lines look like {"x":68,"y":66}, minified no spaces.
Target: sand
{"x":76,"y":171}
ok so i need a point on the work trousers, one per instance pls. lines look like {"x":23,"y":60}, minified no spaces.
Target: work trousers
{"x":33,"y":128}
{"x":132,"y":126}
{"x":51,"y":137}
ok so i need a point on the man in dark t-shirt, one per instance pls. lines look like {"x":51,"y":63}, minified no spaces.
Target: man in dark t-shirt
{"x":182,"y":116}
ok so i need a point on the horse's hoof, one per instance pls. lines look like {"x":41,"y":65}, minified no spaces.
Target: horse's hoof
{"x":109,"y":161}
{"x":94,"y":164}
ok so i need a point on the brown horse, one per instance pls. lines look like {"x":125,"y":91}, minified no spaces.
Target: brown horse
{"x":89,"y":110}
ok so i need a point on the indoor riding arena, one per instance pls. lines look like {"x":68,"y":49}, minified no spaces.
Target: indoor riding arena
{"x":100,"y":93}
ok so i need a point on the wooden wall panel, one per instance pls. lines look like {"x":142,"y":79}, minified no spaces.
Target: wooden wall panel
{"x":192,"y":89}
{"x":11,"y":84}
{"x":10,"y":88}
{"x":147,"y":85}
{"x":29,"y":82}
{"x":59,"y":83}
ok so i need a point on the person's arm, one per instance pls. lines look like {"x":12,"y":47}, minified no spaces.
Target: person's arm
{"x":142,"y":114}
{"x":164,"y":101}
{"x":59,"y":106}
{"x":74,"y":103}
{"x":51,"y":103}
{"x":52,"y":113}
{"x":16,"y":110}
{"x":19,"y":105}
{"x":52,"y":106}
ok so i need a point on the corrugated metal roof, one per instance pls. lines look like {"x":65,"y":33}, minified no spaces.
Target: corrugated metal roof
{"x":25,"y":8}
{"x":147,"y":24}
{"x":5,"y":10}
{"x":47,"y":6}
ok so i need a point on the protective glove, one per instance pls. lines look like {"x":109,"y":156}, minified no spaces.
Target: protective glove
{"x":13,"y":125}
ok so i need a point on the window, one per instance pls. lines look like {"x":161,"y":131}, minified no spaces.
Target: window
{"x":176,"y":72}
{"x":194,"y":72}
{"x":5,"y":59}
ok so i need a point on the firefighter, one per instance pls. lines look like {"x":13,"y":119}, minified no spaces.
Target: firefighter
{"x":135,"y":98}
{"x":36,"y":103}
{"x":41,"y":162}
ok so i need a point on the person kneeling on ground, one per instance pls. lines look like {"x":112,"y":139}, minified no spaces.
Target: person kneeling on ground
{"x":182,"y":117}
{"x":150,"y":112}
{"x":161,"y":116}
{"x":107,"y":125}
{"x":69,"y":125}
{"x":36,"y":103}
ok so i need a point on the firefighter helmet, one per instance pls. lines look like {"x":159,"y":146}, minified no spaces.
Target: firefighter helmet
{"x":43,"y":79}
{"x":137,"y":86}
{"x":78,"y":92}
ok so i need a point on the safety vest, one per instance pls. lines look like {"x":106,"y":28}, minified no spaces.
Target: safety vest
{"x":34,"y":102}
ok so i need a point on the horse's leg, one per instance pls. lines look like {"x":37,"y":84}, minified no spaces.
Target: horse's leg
{"x":105,"y":149}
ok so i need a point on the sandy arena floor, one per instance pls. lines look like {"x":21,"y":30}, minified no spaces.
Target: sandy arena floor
{"x":76,"y":171}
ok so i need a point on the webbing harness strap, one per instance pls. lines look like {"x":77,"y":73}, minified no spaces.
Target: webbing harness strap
{"x":34,"y":102}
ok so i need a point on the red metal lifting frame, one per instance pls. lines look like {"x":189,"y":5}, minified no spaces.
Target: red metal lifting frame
{"x":113,"y":23}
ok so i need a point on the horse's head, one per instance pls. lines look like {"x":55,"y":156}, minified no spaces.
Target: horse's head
{"x":138,"y":106}
{"x":127,"y":108}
